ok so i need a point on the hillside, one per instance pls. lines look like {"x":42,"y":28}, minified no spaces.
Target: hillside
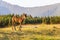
{"x":49,"y":10}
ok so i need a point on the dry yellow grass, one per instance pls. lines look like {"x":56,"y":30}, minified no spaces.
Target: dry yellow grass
{"x":31,"y":32}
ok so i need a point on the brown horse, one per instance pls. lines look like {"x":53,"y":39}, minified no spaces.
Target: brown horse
{"x":18,"y":20}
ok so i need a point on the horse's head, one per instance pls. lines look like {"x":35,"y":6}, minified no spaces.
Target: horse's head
{"x":24,"y":16}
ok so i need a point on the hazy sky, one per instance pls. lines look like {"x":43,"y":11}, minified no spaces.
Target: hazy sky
{"x":32,"y":3}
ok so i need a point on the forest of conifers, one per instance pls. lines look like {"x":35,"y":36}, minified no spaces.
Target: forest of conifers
{"x":6,"y":20}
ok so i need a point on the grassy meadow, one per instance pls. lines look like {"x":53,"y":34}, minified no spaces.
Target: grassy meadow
{"x":33,"y":28}
{"x":32,"y":32}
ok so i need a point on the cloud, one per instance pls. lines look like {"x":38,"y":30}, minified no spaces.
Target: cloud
{"x":0,"y":0}
{"x":32,"y":3}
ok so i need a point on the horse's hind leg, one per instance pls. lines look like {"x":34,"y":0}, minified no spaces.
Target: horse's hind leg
{"x":13,"y":28}
{"x":20,"y":27}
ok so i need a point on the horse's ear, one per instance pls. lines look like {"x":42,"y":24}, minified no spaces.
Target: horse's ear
{"x":24,"y":14}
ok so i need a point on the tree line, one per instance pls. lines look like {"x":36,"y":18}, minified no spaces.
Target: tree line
{"x":6,"y":20}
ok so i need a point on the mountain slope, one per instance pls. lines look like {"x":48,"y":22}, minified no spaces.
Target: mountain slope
{"x":12,"y":8}
{"x":50,"y":10}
